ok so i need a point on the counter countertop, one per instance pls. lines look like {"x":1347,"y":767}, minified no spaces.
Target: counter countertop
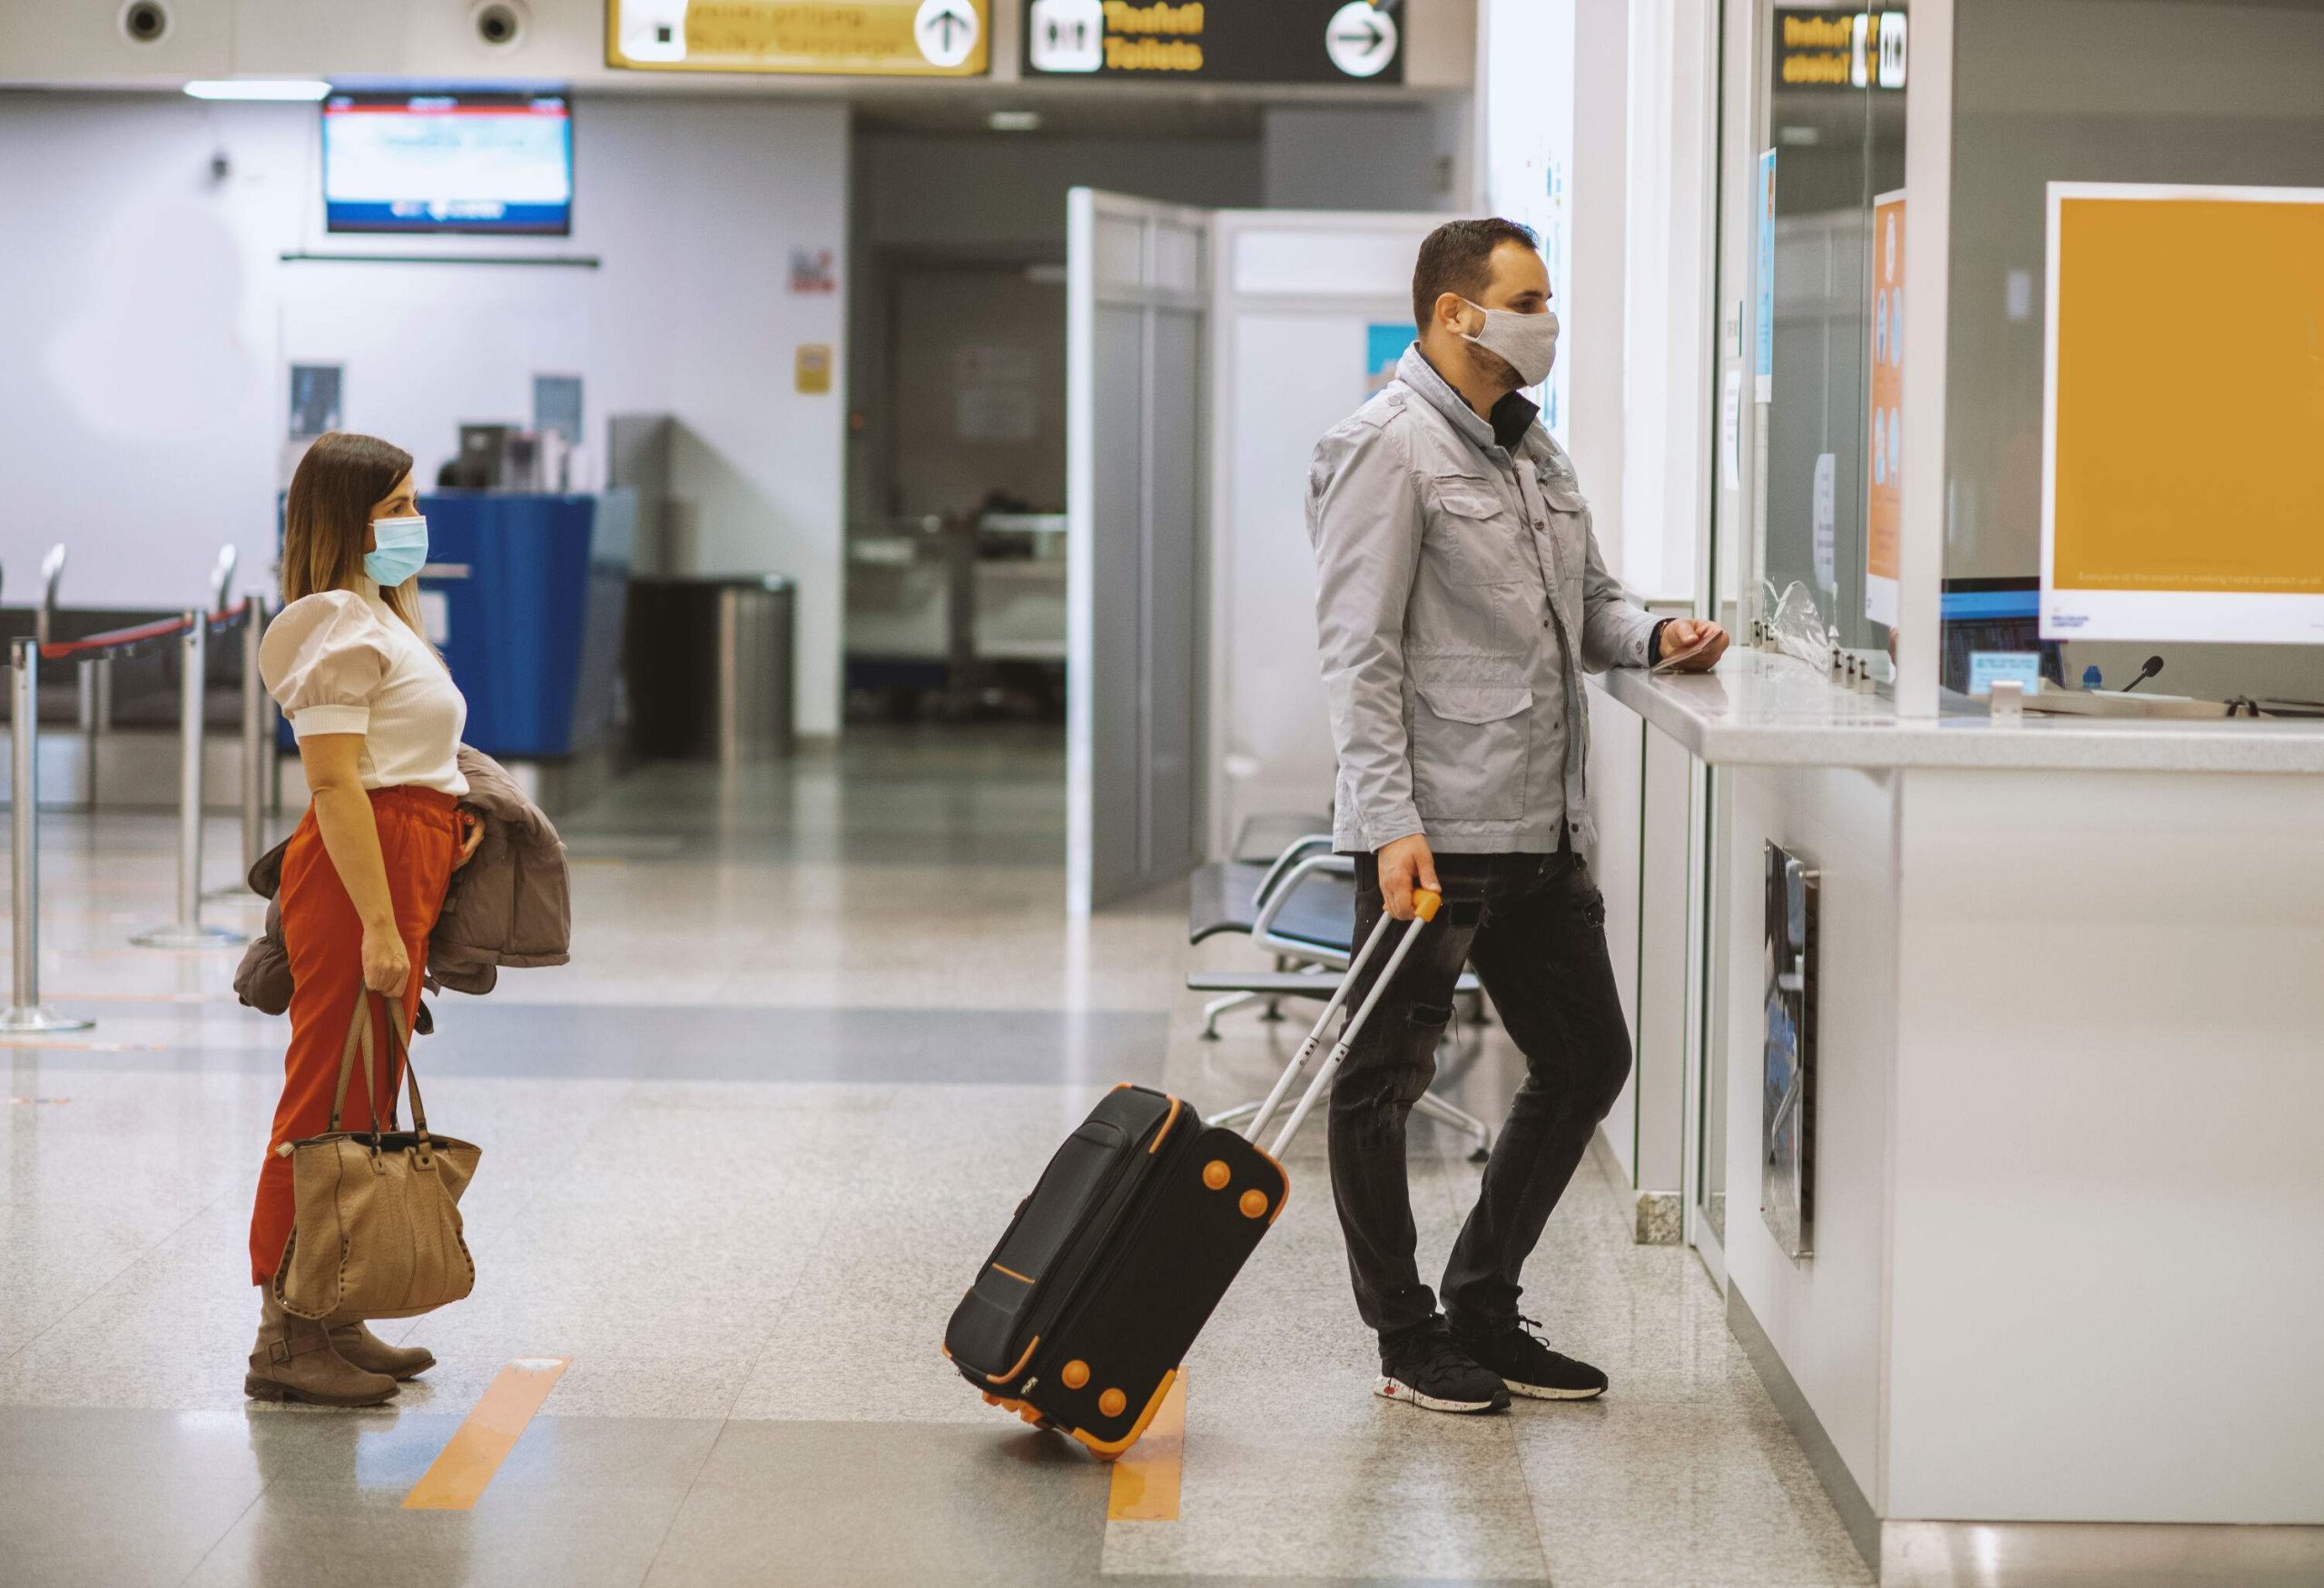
{"x":1762,"y":709}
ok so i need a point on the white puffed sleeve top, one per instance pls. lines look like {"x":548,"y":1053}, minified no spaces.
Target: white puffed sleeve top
{"x":342,"y":662}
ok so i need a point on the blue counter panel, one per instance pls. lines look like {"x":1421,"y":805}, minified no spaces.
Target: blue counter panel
{"x":533,"y":631}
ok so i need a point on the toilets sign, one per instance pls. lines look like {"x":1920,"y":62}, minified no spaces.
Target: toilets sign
{"x":1219,"y":41}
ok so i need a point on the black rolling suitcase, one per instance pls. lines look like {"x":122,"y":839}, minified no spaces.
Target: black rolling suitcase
{"x":1142,"y":1219}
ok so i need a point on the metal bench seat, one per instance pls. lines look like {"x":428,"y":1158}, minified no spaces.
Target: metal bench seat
{"x":1317,"y":914}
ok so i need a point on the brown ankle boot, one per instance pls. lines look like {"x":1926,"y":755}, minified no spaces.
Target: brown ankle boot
{"x":359,"y":1346}
{"x":294,"y":1361}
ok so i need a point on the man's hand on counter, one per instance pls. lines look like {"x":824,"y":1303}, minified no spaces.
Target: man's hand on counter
{"x":1691,"y":644}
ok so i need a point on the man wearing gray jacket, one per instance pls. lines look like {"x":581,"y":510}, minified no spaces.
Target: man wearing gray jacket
{"x":1460,"y":597}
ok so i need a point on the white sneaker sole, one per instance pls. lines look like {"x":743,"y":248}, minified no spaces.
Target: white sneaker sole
{"x":1542,"y":1392}
{"x":1397,"y":1389}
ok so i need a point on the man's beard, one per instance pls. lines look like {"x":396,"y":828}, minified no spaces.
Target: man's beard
{"x":1490,"y":366}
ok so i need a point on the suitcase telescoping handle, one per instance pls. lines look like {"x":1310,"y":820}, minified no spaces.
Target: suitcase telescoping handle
{"x":1424,"y":906}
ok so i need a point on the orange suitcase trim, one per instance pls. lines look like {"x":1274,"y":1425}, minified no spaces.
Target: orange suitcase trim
{"x":1109,"y":1449}
{"x":1003,"y":1377}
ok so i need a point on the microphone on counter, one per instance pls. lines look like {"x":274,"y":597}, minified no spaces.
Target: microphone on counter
{"x":2154,"y":665}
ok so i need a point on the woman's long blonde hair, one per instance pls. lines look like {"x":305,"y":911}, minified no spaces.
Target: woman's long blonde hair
{"x":329,"y":515}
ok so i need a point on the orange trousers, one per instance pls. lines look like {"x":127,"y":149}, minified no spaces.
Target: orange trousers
{"x":420,"y":833}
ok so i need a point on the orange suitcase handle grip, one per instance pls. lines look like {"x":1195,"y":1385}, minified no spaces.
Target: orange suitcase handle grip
{"x":1425,"y":901}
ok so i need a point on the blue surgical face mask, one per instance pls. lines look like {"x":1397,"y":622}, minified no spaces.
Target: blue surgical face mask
{"x":402,"y":548}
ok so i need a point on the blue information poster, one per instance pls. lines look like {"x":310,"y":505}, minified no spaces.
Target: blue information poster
{"x":1385,"y":343}
{"x":1763,"y":281}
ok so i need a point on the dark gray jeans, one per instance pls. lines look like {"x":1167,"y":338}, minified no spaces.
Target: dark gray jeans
{"x":1534,"y":926}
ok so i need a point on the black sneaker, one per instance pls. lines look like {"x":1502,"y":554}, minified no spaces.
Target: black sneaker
{"x":1527,"y":1365}
{"x":1423,"y":1365}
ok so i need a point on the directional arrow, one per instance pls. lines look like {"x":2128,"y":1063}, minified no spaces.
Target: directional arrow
{"x":946,"y":31}
{"x":1360,"y":38}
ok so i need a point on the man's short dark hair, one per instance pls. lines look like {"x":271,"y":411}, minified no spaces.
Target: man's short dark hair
{"x":1457,"y":257}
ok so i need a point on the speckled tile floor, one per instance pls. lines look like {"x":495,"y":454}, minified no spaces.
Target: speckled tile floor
{"x":823,"y":1024}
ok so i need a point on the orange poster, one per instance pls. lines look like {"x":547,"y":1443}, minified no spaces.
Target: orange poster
{"x":1884,"y":515}
{"x":2180,"y":494}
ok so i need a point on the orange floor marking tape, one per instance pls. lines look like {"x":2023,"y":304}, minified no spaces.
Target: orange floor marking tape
{"x":1146,"y":1477}
{"x":465,"y":1466}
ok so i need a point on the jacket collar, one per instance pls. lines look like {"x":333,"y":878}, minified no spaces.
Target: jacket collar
{"x":1511,"y":427}
{"x":1514,"y":415}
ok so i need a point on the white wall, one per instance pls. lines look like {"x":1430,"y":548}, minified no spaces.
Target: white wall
{"x":1554,"y":126}
{"x":1827,"y":1316}
{"x":1667,"y":330}
{"x":1525,"y":81}
{"x":1595,"y":132}
{"x":143,"y":418}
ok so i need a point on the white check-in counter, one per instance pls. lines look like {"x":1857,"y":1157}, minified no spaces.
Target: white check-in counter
{"x":2067,"y":1114}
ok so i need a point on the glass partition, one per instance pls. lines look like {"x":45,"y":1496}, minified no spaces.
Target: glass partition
{"x":1830,"y":116}
{"x":1811,"y":148}
{"x":2160,"y":92}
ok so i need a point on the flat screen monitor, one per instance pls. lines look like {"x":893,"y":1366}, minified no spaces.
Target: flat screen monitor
{"x":1993,"y":615}
{"x":478,"y":163}
{"x":2183,"y":408}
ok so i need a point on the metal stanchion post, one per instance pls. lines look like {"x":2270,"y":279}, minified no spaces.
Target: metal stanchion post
{"x":24,"y":1012}
{"x":96,"y":714}
{"x":255,"y":722}
{"x":254,"y":734}
{"x":221,"y":576}
{"x":85,"y":719}
{"x":187,"y":931}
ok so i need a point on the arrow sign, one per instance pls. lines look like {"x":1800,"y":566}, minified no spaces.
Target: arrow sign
{"x":1360,"y":39}
{"x":946,"y":31}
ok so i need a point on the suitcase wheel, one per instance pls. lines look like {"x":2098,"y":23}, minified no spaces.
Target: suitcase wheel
{"x":1021,"y":1408}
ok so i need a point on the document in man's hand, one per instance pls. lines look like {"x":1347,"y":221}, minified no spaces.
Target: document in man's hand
{"x":1672,"y":663}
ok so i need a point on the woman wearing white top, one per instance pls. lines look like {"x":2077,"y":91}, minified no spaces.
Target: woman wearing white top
{"x":378,"y":719}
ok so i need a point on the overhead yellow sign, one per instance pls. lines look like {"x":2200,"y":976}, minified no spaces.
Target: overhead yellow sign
{"x":868,"y":38}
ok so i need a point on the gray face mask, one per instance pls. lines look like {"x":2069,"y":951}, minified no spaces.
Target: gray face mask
{"x":1528,"y":341}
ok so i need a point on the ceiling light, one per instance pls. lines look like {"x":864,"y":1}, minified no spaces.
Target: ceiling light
{"x":294,"y":89}
{"x":1014,"y":120}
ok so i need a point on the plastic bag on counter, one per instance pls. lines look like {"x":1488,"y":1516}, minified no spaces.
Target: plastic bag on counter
{"x":1794,"y":625}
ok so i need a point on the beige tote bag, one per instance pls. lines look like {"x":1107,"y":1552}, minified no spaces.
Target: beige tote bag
{"x":376,"y":1232}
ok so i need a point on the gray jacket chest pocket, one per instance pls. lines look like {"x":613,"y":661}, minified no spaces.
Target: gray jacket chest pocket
{"x":1568,"y":512}
{"x":1471,"y":743}
{"x":1470,"y":538}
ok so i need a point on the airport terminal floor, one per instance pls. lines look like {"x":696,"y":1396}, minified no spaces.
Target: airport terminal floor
{"x":825,"y":1022}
